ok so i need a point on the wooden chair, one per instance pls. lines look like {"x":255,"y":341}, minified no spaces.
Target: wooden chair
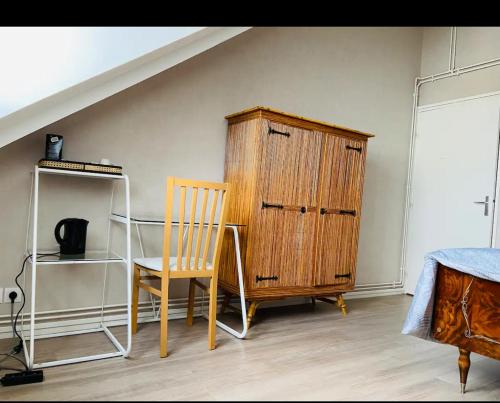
{"x":192,"y":264}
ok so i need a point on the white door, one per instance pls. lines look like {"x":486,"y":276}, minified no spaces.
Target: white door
{"x":454,"y":180}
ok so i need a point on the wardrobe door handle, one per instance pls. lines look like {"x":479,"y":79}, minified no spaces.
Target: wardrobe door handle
{"x":322,"y":211}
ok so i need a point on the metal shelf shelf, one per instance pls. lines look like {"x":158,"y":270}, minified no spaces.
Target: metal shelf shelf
{"x":89,"y":257}
{"x":68,"y":172}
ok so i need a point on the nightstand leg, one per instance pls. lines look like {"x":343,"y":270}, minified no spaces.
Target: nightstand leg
{"x":463,"y":366}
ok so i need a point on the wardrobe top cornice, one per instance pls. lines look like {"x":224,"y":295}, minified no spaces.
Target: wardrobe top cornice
{"x":288,"y":118}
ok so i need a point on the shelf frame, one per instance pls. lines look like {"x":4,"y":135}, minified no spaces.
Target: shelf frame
{"x":34,"y":262}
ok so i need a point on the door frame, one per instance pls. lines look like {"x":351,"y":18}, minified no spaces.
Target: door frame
{"x":495,"y":226}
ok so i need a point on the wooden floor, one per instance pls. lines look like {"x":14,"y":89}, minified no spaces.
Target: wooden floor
{"x":292,"y":353}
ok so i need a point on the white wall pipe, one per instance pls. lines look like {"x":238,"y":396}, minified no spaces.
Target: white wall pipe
{"x":460,"y":70}
{"x":409,"y":181}
{"x":450,"y":60}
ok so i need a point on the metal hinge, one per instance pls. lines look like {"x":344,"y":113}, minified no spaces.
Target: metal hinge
{"x":269,"y":205}
{"x":347,"y":212}
{"x":273,"y":131}
{"x":358,"y":149}
{"x":260,"y":278}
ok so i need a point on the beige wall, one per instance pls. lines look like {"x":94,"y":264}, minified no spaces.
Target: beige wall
{"x":473,"y":45}
{"x":173,"y":124}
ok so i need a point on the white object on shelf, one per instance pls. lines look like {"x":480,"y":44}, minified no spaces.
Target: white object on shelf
{"x":90,"y":257}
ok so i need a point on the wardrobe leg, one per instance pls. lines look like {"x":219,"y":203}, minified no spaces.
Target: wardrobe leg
{"x":225,"y":303}
{"x":463,"y":365}
{"x":341,"y":304}
{"x":251,"y":312}
{"x":313,"y":301}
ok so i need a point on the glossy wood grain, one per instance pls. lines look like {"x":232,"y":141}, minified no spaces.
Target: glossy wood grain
{"x":480,"y":298}
{"x":483,"y":309}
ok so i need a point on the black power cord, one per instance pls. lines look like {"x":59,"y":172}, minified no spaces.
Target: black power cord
{"x":22,"y":376}
{"x":20,"y":346}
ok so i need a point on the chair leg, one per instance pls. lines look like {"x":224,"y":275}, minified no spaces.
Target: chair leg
{"x":212,"y":313}
{"x":190,"y":308}
{"x":135,"y":298}
{"x":164,"y":315}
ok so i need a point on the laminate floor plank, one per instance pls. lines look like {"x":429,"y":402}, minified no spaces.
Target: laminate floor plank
{"x":292,"y":353}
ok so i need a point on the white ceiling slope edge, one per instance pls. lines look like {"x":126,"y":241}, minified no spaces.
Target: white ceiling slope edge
{"x":48,"y":110}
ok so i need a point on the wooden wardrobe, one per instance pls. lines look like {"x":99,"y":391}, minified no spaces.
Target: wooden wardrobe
{"x":296,"y":188}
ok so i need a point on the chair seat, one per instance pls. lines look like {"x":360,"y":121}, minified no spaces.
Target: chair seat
{"x":156,"y":263}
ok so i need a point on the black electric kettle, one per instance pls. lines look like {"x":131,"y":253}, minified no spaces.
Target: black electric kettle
{"x":75,"y":235}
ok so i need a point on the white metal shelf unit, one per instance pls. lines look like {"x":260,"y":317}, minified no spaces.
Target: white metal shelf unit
{"x":90,"y":257}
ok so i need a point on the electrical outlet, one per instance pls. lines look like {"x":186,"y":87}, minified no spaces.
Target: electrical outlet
{"x":6,"y":293}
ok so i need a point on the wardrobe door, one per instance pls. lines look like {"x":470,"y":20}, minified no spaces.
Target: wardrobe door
{"x":283,"y":228}
{"x":289,"y":165}
{"x":283,"y":249}
{"x":342,"y":174}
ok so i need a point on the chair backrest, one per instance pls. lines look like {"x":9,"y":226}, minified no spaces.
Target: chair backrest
{"x":192,"y":252}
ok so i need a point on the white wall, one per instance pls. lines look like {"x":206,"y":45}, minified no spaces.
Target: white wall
{"x":173,"y":124}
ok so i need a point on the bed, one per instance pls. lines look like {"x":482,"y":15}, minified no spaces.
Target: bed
{"x":457,"y":302}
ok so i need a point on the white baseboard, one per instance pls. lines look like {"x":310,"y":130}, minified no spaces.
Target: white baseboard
{"x":115,"y":315}
{"x":374,"y":293}
{"x":53,"y":322}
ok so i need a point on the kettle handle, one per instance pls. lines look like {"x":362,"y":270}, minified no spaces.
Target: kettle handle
{"x":57,"y":232}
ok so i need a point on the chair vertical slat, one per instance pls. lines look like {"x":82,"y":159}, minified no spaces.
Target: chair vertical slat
{"x":220,"y":229}
{"x":182,"y":209}
{"x":192,"y":215}
{"x":167,"y":230}
{"x":209,"y":229}
{"x":200,"y":228}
